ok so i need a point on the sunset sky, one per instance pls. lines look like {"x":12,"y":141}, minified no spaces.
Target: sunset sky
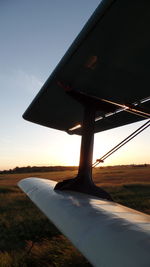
{"x":35,"y":35}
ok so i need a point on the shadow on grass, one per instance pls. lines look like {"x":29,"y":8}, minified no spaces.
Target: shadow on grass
{"x":7,"y":190}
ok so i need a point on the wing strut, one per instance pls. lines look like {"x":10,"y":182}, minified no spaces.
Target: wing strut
{"x":122,"y":143}
{"x":83,"y":182}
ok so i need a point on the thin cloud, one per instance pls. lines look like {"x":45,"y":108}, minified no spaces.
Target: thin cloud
{"x":28,"y":81}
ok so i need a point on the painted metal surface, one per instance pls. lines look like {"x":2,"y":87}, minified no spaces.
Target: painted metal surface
{"x":106,"y":233}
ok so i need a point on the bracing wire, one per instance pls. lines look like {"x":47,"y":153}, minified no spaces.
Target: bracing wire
{"x":122,"y":143}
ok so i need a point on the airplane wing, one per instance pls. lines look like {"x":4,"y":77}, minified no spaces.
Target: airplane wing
{"x":102,"y":82}
{"x":106,"y":233}
{"x":108,"y":61}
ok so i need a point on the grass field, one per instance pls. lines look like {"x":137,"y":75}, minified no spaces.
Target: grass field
{"x":28,"y":238}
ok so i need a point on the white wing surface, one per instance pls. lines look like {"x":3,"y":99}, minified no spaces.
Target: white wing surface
{"x":106,"y":233}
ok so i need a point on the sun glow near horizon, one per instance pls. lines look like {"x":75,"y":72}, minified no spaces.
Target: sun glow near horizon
{"x":56,"y":148}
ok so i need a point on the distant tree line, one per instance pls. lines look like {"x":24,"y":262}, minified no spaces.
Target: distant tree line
{"x":30,"y":169}
{"x":39,"y":169}
{"x":140,"y":165}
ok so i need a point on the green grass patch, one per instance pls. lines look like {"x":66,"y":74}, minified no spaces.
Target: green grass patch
{"x":28,"y":238}
{"x":136,"y":196}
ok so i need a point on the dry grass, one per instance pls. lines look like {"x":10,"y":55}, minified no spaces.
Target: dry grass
{"x":29,"y":239}
{"x":108,"y":175}
{"x":122,"y":175}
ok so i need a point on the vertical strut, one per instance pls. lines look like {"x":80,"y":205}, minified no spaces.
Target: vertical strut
{"x":86,"y":152}
{"x":83,"y":182}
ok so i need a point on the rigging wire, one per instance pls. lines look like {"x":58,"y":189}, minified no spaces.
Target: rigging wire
{"x":122,"y":143}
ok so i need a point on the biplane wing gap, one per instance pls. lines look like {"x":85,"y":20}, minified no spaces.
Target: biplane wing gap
{"x":102,"y":82}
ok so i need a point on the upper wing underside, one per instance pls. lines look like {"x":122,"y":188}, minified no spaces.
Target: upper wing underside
{"x":109,"y":60}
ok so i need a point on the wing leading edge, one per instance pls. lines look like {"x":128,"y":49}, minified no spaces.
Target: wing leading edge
{"x":106,"y":233}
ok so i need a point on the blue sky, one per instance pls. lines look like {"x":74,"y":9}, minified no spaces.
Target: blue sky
{"x":35,"y":35}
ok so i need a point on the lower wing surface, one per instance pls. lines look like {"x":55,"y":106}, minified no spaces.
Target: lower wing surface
{"x":106,"y":233}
